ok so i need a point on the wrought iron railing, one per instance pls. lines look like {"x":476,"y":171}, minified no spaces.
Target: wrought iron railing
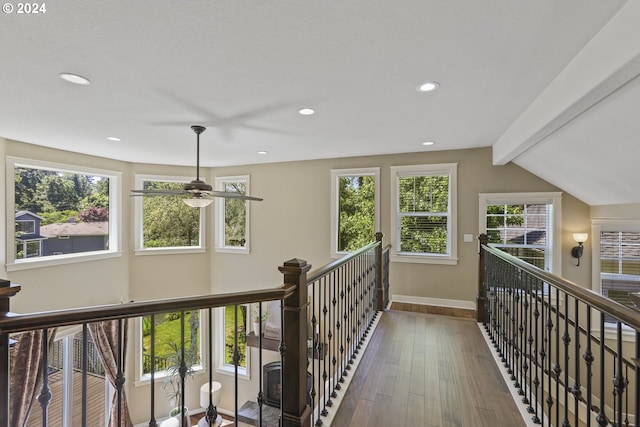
{"x":568,"y":362}
{"x":344,"y":301}
{"x":307,"y":306}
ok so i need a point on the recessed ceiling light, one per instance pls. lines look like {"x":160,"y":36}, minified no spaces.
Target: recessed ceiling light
{"x":306,"y":111}
{"x":428,"y":143}
{"x":74,"y":78}
{"x":428,"y":86}
{"x":263,"y":152}
{"x":114,"y":138}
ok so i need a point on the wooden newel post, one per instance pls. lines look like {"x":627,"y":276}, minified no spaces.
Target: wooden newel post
{"x":7,"y":290}
{"x":295,"y":410}
{"x":480,"y":298}
{"x":379,"y":273}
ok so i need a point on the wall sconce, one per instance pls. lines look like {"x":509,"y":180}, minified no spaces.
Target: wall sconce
{"x":576,"y":251}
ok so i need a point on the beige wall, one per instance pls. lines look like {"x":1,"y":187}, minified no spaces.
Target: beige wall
{"x":294,"y":221}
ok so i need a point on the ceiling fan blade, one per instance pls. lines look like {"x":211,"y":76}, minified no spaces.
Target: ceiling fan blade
{"x":159,"y":192}
{"x":232,"y":195}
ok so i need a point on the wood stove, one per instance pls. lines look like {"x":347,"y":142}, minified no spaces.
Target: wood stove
{"x":272,"y":388}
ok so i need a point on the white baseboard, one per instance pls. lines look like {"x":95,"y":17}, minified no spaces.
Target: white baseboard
{"x":438,"y":302}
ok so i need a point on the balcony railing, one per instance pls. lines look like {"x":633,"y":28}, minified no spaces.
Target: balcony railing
{"x":570,"y":353}
{"x":330,"y":310}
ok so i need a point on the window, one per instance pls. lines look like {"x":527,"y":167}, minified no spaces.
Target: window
{"x":424,"y":213}
{"x":232,"y":216}
{"x":165,"y":223}
{"x":525,"y":225}
{"x":25,"y":227}
{"x":65,"y":368}
{"x":52,"y":200}
{"x":226,"y":331}
{"x":617,"y":248}
{"x":355,"y":208}
{"x":167,"y":334}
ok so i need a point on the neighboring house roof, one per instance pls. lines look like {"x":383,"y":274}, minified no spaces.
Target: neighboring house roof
{"x":21,"y":213}
{"x":100,"y":228}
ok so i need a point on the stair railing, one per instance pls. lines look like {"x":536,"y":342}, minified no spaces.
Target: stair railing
{"x":569,"y":365}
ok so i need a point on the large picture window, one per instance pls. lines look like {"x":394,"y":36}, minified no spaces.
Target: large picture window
{"x":354,"y":208}
{"x":165,"y":223}
{"x":62,"y":213}
{"x":232,"y":216}
{"x":424,"y":213}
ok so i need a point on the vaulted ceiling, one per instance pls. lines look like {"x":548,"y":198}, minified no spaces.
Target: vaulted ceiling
{"x":551,"y":85}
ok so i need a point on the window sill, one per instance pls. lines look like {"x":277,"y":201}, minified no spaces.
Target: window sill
{"x":160,"y":376}
{"x":232,"y":250}
{"x":418,"y":259}
{"x":171,"y":251}
{"x":61,"y":259}
{"x":230,"y":371}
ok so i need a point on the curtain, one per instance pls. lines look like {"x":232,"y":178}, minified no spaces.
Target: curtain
{"x":26,"y":374}
{"x":113,"y":349}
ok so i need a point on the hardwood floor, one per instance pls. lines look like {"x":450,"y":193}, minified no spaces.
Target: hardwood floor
{"x":427,"y":370}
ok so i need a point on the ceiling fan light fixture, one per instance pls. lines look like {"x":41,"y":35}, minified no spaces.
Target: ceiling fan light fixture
{"x":428,"y":86}
{"x":196,"y":202}
{"x":74,"y":78}
{"x":306,"y":111}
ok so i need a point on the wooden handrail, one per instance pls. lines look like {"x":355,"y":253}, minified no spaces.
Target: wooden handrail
{"x":318,"y":273}
{"x":12,"y":322}
{"x":622,"y":313}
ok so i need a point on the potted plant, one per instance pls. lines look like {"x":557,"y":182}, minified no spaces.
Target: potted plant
{"x":173,"y":381}
{"x":255,"y":314}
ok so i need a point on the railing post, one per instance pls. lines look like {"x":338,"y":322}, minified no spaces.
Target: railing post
{"x":379,"y":273}
{"x":7,"y":290}
{"x":296,"y":412}
{"x":480,"y":297}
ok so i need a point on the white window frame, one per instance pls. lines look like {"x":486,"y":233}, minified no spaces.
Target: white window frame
{"x":115,"y":215}
{"x":220,"y":245}
{"x":140,"y":179}
{"x":66,"y":337}
{"x":220,"y":337}
{"x":554,"y":199}
{"x":336,"y":174}
{"x":451,"y":258}
{"x":598,"y":226}
{"x":143,"y":378}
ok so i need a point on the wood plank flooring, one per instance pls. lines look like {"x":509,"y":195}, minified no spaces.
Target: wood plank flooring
{"x":425,"y":370}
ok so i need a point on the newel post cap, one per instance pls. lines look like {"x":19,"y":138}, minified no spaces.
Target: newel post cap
{"x":295,"y":265}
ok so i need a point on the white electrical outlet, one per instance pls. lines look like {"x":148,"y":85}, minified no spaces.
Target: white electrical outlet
{"x":468,"y":238}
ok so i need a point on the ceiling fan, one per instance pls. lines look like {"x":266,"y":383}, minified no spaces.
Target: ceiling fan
{"x":201,"y":193}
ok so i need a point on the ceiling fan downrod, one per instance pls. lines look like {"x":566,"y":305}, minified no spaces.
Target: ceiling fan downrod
{"x":198,"y":130}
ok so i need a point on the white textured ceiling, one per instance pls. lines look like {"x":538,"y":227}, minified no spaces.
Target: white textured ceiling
{"x":243,"y":69}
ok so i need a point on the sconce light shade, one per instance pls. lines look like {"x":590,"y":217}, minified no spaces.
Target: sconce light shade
{"x":580,"y":237}
{"x":576,"y":251}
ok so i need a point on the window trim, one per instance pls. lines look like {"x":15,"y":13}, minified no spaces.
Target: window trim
{"x":219,"y":216}
{"x":139,"y":249}
{"x":452,"y":216}
{"x":115,"y":215}
{"x":553,"y":198}
{"x":335,"y":175}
